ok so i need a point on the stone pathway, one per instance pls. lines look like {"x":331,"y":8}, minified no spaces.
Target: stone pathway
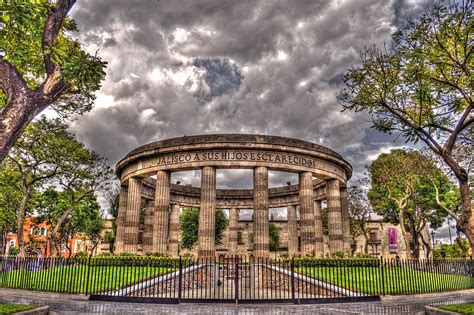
{"x":78,"y":304}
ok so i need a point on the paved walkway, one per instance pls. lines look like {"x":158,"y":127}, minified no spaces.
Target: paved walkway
{"x":78,"y":304}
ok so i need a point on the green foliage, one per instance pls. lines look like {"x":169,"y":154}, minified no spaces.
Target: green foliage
{"x":85,"y":217}
{"x":14,"y":308}
{"x":402,"y":191}
{"x":422,"y":85}
{"x":221,"y":225}
{"x":467,"y":308}
{"x":274,"y":241}
{"x":13,"y":251}
{"x":21,"y":45}
{"x":10,"y":196}
{"x":448,"y":251}
{"x":189,"y":226}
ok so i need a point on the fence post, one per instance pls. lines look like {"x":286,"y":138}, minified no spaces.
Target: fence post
{"x":382,"y":274}
{"x":180,"y":279}
{"x":236,"y":278}
{"x":88,"y":274}
{"x":293,"y":279}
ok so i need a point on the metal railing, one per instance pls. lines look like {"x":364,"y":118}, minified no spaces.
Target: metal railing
{"x":238,"y":279}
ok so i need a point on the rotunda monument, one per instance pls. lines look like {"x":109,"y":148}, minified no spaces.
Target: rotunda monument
{"x":322,"y":174}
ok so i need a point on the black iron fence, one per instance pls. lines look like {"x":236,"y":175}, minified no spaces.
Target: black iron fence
{"x":235,"y":279}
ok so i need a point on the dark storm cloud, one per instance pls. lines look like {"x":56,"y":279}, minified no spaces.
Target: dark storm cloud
{"x":271,"y":67}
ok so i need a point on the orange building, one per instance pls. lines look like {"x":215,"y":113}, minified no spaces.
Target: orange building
{"x":35,"y":236}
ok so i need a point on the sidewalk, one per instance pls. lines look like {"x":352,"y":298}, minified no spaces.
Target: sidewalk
{"x":79,"y":304}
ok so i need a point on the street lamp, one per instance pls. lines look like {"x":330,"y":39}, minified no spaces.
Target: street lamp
{"x":450,"y":237}
{"x":432,"y":238}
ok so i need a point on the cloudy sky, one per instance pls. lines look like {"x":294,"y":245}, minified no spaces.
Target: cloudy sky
{"x":270,"y":67}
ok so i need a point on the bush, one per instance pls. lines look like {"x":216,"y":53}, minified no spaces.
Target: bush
{"x":13,"y":251}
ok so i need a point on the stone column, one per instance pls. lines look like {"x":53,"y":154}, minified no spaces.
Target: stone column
{"x":233,"y":229}
{"x":174,"y":231}
{"x":133,"y":215}
{"x":162,"y":208}
{"x":292,"y":232}
{"x":148,"y":226}
{"x":346,"y":225}
{"x":120,"y":221}
{"x":318,"y":229}
{"x":307,"y":213}
{"x":207,"y":213}
{"x":336,"y":239}
{"x":260,"y":212}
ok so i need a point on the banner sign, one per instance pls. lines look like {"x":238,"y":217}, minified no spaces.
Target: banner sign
{"x":392,"y":240}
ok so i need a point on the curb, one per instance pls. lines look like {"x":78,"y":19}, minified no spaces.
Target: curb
{"x":430,"y":310}
{"x":42,"y":310}
{"x":423,"y":296}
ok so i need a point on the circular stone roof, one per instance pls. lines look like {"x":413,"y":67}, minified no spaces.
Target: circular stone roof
{"x":230,"y":141}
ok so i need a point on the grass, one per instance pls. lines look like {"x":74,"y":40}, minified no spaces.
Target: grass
{"x":13,"y":308}
{"x":73,"y":279}
{"x":396,"y":280}
{"x":459,"y":308}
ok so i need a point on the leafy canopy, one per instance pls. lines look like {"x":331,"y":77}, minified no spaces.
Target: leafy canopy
{"x":21,"y":44}
{"x":189,"y":226}
{"x":401,"y":184}
{"x":422,"y":85}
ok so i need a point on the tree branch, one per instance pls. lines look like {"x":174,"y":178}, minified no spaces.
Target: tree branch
{"x":11,"y":81}
{"x":448,"y":146}
{"x":51,"y":30}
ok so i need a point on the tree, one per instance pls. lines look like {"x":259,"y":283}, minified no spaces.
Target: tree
{"x":274,"y":241}
{"x":402,"y":193}
{"x":41,"y":65}
{"x":10,"y":198}
{"x":38,"y":156}
{"x":85,"y":220}
{"x":189,"y":226}
{"x":422,"y":87}
{"x":359,"y":211}
{"x":84,"y":174}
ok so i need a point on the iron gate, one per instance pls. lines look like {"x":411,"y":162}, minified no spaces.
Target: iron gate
{"x":232,"y":280}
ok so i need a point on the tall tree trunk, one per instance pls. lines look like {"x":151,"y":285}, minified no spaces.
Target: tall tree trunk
{"x":2,"y":240}
{"x":466,"y":219}
{"x":460,"y":244}
{"x":427,"y":246}
{"x":404,"y":233}
{"x":20,"y":221}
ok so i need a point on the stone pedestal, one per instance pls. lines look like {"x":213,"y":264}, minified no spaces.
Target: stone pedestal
{"x":336,"y":238}
{"x":173,"y":242}
{"x":306,"y":213}
{"x":120,"y":221}
{"x":292,"y":232}
{"x":148,"y":227}
{"x":162,"y":208}
{"x":207,"y":213}
{"x":132,"y":220}
{"x":260,"y":212}
{"x":346,"y":223}
{"x":318,"y":230}
{"x":233,"y":221}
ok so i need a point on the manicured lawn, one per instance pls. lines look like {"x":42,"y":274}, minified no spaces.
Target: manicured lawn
{"x":13,"y":308}
{"x":73,"y":279}
{"x":459,"y":308}
{"x":396,"y":280}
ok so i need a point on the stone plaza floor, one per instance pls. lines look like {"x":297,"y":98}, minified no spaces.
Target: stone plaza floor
{"x":78,"y":304}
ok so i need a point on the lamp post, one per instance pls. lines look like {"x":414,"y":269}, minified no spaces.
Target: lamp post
{"x":432,"y":238}
{"x":450,"y":237}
